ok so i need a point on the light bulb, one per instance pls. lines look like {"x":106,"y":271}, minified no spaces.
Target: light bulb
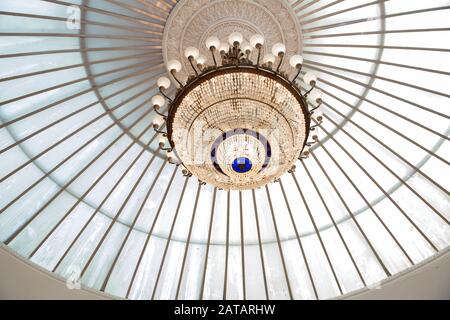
{"x":310,"y":78}
{"x":318,"y":116}
{"x":223,"y":48}
{"x":278,"y":49}
{"x":212,"y":42}
{"x":269,"y":58}
{"x":164,"y":83}
{"x":184,"y":171}
{"x":296,"y":61}
{"x":159,"y":101}
{"x":235,"y":37}
{"x":247,"y":48}
{"x":157,"y":121}
{"x":306,"y":152}
{"x":163,"y":141}
{"x":316,"y":95}
{"x":172,"y":157}
{"x":191,"y":52}
{"x":202,"y":60}
{"x":257,"y":40}
{"x":174,"y":65}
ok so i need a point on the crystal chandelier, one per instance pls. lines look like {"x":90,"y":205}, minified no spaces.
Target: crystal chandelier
{"x":239,"y":124}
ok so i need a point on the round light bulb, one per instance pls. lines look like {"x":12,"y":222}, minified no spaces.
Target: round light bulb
{"x":174,"y":65}
{"x":316,"y":95}
{"x":247,"y":48}
{"x":164,"y":83}
{"x":163,"y":141}
{"x":212,"y":42}
{"x":318,"y":116}
{"x":310,"y":78}
{"x":184,"y":171}
{"x":223,"y":48}
{"x":202,"y":60}
{"x":191,"y":52}
{"x":278,"y":49}
{"x":306,"y":151}
{"x":157,"y":121}
{"x":269,"y":58}
{"x":158,"y":100}
{"x":172,"y":157}
{"x":256,"y":40}
{"x":235,"y":37}
{"x":296,"y":60}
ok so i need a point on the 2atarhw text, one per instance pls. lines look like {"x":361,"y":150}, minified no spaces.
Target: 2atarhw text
{"x":225,"y":310}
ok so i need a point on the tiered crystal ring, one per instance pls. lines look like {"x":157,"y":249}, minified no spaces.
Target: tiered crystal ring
{"x":238,"y":127}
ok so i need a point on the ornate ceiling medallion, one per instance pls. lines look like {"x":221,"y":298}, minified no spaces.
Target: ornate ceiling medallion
{"x":191,"y":22}
{"x":239,"y":124}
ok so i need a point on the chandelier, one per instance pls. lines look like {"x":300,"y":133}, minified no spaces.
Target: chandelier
{"x":239,"y":124}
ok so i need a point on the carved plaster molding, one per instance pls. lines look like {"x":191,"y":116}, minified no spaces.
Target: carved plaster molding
{"x":193,"y":21}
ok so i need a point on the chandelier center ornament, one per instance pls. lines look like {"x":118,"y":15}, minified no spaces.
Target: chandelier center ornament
{"x":241,"y":122}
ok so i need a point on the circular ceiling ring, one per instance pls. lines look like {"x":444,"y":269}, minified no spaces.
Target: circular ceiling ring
{"x":32,"y":218}
{"x":358,"y":211}
{"x":323,"y":228}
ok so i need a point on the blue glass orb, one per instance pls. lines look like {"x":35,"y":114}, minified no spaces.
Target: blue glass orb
{"x":242,"y":165}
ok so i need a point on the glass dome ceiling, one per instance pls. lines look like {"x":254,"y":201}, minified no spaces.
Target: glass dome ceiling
{"x":85,"y":192}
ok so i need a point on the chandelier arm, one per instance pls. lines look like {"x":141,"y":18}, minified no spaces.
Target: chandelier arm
{"x":236,"y":53}
{"x":315,"y":108}
{"x":192,"y":65}
{"x":313,"y":142}
{"x":309,"y":91}
{"x":280,"y":63}
{"x":313,"y":127}
{"x":304,"y":154}
{"x":159,"y":113}
{"x":161,"y":132}
{"x":259,"y":55}
{"x":165,"y":96}
{"x":213,"y":56}
{"x":298,"y":73}
{"x":172,"y":72}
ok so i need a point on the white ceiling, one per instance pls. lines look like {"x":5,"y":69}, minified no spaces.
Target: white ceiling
{"x":21,"y":280}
